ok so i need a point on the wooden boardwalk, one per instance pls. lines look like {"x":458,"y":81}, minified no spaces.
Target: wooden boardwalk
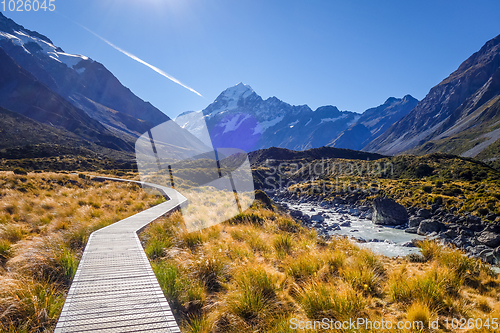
{"x":114,"y":288}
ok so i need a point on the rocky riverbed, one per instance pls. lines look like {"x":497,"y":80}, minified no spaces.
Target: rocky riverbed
{"x":390,"y":229}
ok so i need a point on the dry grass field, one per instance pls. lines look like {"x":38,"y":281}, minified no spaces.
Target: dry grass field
{"x":262,"y":272}
{"x":45,"y":221}
{"x":259,"y":272}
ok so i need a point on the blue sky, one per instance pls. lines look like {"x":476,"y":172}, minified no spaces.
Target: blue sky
{"x":351,"y":54}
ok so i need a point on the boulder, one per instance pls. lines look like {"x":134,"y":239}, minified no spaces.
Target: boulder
{"x":487,"y":256}
{"x":414,"y":221}
{"x":429,"y":226}
{"x":496,"y":253}
{"x":471,"y":219}
{"x":411,"y":230}
{"x":317,"y":218}
{"x":461,"y":241}
{"x":424,"y":213}
{"x":489,"y":238}
{"x":450,"y":233}
{"x":388,"y":212}
{"x":296,"y":213}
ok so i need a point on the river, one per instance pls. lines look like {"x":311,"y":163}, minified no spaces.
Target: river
{"x":385,"y":240}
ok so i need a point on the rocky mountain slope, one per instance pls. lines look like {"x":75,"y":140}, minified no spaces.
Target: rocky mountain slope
{"x":22,"y":93}
{"x":239,"y":117}
{"x":373,"y":122}
{"x":460,"y":115}
{"x":76,"y":98}
{"x":83,"y":82}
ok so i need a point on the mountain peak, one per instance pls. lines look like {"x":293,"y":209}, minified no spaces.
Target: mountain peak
{"x":236,"y":92}
{"x":392,"y":100}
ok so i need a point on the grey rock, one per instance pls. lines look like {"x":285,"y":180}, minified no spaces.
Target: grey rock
{"x":412,"y":230}
{"x":317,"y":218}
{"x":414,"y":221}
{"x":424,"y":213}
{"x":429,"y":226}
{"x":471,"y":219}
{"x":487,"y":256}
{"x":450,"y":233}
{"x":333,"y":227}
{"x":345,"y":224}
{"x":476,"y":250}
{"x":489,"y":238}
{"x":388,"y":212}
{"x":496,"y":253}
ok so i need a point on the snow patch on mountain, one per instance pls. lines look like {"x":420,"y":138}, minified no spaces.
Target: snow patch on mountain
{"x":264,"y":125}
{"x":325,"y":120}
{"x":23,"y":40}
{"x":194,"y":122}
{"x":234,"y":123}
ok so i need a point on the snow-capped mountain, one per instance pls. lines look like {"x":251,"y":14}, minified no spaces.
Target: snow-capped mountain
{"x":85,"y":83}
{"x":241,"y":118}
{"x":68,"y":97}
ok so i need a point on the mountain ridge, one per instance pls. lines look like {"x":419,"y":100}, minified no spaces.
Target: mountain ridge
{"x":450,"y":111}
{"x":243,"y":119}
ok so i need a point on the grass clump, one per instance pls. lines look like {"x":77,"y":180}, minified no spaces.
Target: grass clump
{"x":327,"y":300}
{"x":419,"y":314}
{"x":254,"y":296}
{"x":283,"y":244}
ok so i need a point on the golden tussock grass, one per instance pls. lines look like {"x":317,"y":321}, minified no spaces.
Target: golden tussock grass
{"x":45,"y":221}
{"x":260,"y":269}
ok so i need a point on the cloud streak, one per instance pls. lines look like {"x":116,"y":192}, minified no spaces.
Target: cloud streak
{"x":156,"y":69}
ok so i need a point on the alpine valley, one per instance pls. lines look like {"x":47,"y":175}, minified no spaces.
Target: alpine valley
{"x":52,"y":98}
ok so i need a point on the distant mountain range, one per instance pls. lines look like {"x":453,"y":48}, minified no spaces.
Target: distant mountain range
{"x":50,"y":97}
{"x":241,"y":118}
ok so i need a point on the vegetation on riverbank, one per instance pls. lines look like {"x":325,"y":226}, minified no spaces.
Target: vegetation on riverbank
{"x":461,"y":185}
{"x":45,"y":221}
{"x":260,"y":270}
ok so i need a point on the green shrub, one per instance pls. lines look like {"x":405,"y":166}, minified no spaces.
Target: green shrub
{"x":211,"y":270}
{"x":20,"y":171}
{"x":303,"y":266}
{"x":427,"y":189}
{"x":5,"y":249}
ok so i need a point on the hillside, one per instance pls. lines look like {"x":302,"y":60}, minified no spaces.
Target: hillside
{"x":83,"y":82}
{"x":459,"y":115}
